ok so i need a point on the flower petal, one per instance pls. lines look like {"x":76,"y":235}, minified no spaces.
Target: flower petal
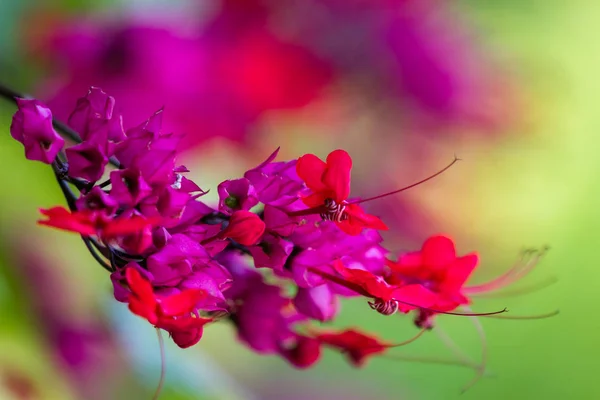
{"x":181,"y":303}
{"x":460,"y":272}
{"x":414,"y":296}
{"x":438,"y":252}
{"x":310,"y":169}
{"x":337,"y":174}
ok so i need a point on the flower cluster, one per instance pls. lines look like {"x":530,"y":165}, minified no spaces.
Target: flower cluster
{"x":274,"y":257}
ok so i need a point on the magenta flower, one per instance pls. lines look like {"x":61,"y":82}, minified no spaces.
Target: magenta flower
{"x":318,"y":303}
{"x":274,"y":274}
{"x":32,"y":126}
{"x":238,"y":194}
{"x":93,"y":118}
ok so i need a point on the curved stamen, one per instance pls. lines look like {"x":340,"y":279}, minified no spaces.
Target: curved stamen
{"x":521,"y":268}
{"x":161,"y":381}
{"x":484,"y":354}
{"x":456,"y":159}
{"x":485,"y":314}
{"x":520,"y":291}
{"x":540,"y":316}
{"x":412,"y":339}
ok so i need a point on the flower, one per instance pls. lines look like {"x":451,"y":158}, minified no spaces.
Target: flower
{"x":32,"y":126}
{"x":244,"y":227}
{"x":438,"y":270}
{"x":237,"y":194}
{"x":358,"y":346}
{"x":173,"y":313}
{"x":329,"y":184}
{"x":276,"y":273}
{"x":92,"y":223}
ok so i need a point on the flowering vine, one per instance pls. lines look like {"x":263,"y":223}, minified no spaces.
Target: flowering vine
{"x":274,"y":257}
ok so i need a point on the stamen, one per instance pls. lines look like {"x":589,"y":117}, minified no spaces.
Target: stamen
{"x":520,"y":291}
{"x":426,"y":360}
{"x":540,"y":316}
{"x":161,"y":381}
{"x":456,"y":159}
{"x":418,"y":335}
{"x":454,"y":348}
{"x":484,"y":355}
{"x":486,"y":314}
{"x":518,"y":271}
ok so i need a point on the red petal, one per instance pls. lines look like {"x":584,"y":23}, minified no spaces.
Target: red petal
{"x":310,"y":169}
{"x":359,"y":220}
{"x":181,"y":303}
{"x":460,"y":272}
{"x":61,"y":218}
{"x":416,"y":296}
{"x":305,"y":352}
{"x":142,"y":309}
{"x":142,"y":301}
{"x":348,"y":227}
{"x":121,"y":227}
{"x":357,"y":345}
{"x":337,"y":174}
{"x":139,"y":286}
{"x":315,"y":199}
{"x":373,"y":285}
{"x":438,"y":252}
{"x":185,"y":332}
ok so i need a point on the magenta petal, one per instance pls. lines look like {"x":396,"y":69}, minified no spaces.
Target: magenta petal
{"x":317,"y":303}
{"x":87,"y":160}
{"x":32,"y":126}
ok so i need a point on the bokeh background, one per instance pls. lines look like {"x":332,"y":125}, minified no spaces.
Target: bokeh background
{"x":509,"y":86}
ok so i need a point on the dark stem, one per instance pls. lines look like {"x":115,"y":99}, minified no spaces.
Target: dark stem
{"x":61,"y":170}
{"x":88,"y":243}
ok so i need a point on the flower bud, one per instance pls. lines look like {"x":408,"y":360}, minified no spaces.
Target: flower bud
{"x":32,"y":126}
{"x":244,"y":227}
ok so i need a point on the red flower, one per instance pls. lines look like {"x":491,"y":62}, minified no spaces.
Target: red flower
{"x":244,"y":227}
{"x":93,"y":223}
{"x":61,"y":218}
{"x":303,"y":352}
{"x":437,"y":268}
{"x":359,"y":346}
{"x":386,"y":296}
{"x":173,"y":313}
{"x":329,"y":183}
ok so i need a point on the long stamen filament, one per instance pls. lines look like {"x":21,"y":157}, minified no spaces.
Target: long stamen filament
{"x":486,"y":314}
{"x":519,"y":270}
{"x":520,"y":291}
{"x":484,"y":354}
{"x":516,"y":317}
{"x":456,"y":159}
{"x":412,"y":339}
{"x":163,"y":366}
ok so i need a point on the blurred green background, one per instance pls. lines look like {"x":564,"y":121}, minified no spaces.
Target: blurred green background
{"x":534,"y":183}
